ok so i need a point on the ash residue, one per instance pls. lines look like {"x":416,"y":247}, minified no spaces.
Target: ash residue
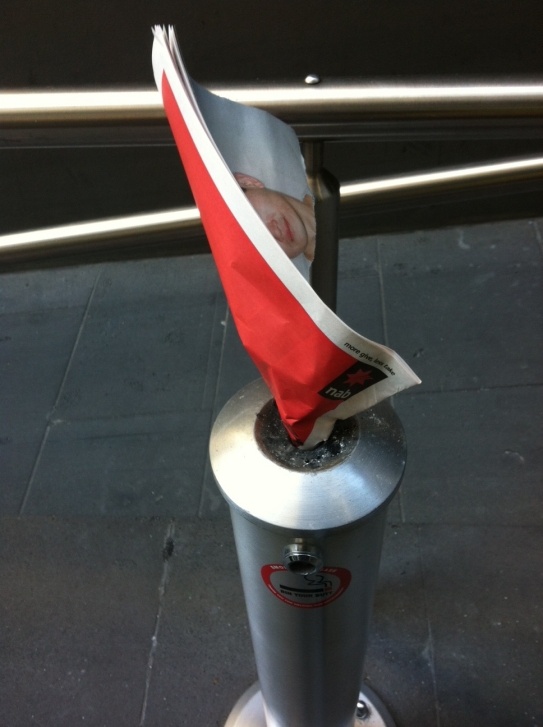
{"x":273,"y":439}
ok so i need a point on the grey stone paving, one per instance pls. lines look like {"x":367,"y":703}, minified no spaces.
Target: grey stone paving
{"x":110,"y":377}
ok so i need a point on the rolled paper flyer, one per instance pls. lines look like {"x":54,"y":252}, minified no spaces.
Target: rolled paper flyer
{"x":248,"y":180}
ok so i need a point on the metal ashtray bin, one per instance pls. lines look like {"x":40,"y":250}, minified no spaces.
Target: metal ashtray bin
{"x":309,"y":528}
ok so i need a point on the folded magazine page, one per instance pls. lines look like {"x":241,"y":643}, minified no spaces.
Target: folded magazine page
{"x":248,"y":179}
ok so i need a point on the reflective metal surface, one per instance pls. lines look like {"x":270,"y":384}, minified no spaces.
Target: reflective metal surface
{"x":309,"y":629}
{"x":329,"y":100}
{"x":302,"y":558}
{"x":350,"y":491}
{"x":249,"y":710}
{"x":334,"y":100}
{"x":104,"y":235}
{"x":442,"y":180}
{"x":309,"y":657}
{"x":66,"y":108}
{"x":83,"y":237}
{"x":326,"y":192}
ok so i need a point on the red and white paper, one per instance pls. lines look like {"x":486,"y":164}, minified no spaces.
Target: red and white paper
{"x":317,"y":368}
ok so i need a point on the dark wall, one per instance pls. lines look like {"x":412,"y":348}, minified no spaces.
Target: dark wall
{"x":82,"y":43}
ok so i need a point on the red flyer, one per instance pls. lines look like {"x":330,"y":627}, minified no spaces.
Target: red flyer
{"x":248,"y":179}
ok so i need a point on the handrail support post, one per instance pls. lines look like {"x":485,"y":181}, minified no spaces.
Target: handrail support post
{"x":325,"y":189}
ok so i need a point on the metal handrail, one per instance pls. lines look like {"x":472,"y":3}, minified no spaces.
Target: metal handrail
{"x":406,"y":186}
{"x":331,"y":109}
{"x":329,"y":102}
{"x":111,"y":234}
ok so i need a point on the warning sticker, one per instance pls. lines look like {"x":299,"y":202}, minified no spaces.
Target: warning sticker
{"x":312,"y":591}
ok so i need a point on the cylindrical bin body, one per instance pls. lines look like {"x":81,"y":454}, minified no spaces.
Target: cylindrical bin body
{"x":308,"y":529}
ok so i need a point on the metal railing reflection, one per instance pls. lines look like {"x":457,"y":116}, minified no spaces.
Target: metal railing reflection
{"x":332,"y":109}
{"x":117,"y":234}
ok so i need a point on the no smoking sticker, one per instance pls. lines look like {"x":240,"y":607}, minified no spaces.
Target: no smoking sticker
{"x":314,"y":591}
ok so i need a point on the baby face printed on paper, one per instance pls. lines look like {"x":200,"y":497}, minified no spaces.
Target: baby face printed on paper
{"x":291,"y":222}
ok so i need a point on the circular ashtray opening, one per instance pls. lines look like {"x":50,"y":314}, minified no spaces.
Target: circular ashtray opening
{"x":302,"y":558}
{"x":273,"y":440}
{"x":302,"y":567}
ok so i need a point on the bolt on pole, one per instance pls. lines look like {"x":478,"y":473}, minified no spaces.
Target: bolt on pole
{"x":308,"y":528}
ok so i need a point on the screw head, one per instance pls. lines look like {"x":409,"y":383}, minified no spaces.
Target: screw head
{"x":362,"y":711}
{"x":312,"y":79}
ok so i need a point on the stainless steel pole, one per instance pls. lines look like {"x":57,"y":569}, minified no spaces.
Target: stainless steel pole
{"x":308,"y":529}
{"x":325,"y":189}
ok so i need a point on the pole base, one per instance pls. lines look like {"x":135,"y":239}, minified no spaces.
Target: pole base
{"x":249,"y":710}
